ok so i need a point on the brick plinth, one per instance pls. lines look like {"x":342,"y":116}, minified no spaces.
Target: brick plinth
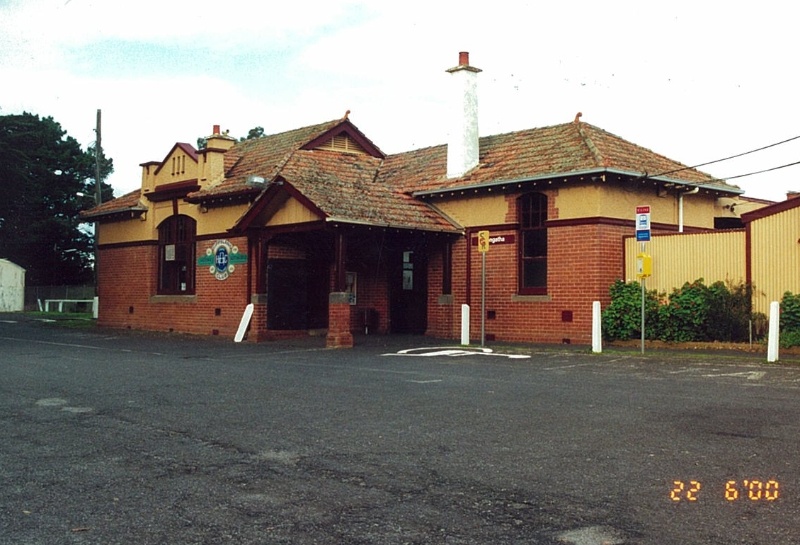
{"x":339,"y":334}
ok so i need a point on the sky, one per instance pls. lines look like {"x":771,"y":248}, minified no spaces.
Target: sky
{"x":696,"y":81}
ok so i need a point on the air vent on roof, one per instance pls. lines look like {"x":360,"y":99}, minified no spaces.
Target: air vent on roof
{"x":342,"y":142}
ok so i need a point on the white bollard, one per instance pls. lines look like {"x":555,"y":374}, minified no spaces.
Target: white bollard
{"x":774,"y":328}
{"x":244,"y":323}
{"x":96,"y":307}
{"x":464,"y":325}
{"x":597,"y":331}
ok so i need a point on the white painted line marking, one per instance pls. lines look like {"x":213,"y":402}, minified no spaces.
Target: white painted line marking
{"x":749,"y":375}
{"x":453,"y":352}
{"x":425,"y":381}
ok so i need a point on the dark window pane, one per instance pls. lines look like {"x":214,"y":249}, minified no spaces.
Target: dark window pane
{"x":535,"y":273}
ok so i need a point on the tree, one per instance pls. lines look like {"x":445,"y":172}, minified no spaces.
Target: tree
{"x":47,"y":179}
{"x":255,"y":132}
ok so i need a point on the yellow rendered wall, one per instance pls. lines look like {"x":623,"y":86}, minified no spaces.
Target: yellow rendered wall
{"x":475,"y":211}
{"x":775,"y":257}
{"x":116,"y":232}
{"x":678,"y":259}
{"x":583,"y":200}
{"x":289,"y":212}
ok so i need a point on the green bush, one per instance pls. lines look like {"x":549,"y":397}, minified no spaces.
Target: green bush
{"x":683,"y":318}
{"x":623,"y":318}
{"x":790,"y":320}
{"x":694,"y":312}
{"x":790,"y":312}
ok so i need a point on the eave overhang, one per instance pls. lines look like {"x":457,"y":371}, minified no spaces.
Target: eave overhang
{"x":177,"y":190}
{"x":130,"y":212}
{"x":593,"y":175}
{"x":336,"y":221}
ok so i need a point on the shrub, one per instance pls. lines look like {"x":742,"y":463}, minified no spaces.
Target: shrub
{"x":790,"y":320}
{"x":684,"y":316}
{"x":622,"y":319}
{"x":694,"y":312}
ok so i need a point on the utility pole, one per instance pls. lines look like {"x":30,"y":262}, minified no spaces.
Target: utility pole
{"x":98,"y":199}
{"x":98,"y":152}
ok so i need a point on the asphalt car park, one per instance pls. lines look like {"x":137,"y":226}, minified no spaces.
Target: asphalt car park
{"x":129,"y":437}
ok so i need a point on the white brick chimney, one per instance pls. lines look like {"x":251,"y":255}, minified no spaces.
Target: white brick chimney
{"x":462,"y":144}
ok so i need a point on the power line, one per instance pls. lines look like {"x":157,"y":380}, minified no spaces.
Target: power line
{"x":734,"y":157}
{"x":761,"y":171}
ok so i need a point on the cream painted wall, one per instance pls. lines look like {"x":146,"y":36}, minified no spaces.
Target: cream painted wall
{"x":475,"y":211}
{"x":292,"y":211}
{"x":595,"y":200}
{"x":131,"y":230}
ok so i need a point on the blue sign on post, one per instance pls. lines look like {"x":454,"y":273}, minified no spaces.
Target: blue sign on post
{"x":643,"y":223}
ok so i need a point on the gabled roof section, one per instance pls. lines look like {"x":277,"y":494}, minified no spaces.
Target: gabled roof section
{"x":264,"y":158}
{"x":342,"y":188}
{"x":558,"y":151}
{"x":188,"y":149}
{"x":352,"y":139}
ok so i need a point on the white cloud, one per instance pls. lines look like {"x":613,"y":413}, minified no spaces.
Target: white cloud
{"x":692,"y":81}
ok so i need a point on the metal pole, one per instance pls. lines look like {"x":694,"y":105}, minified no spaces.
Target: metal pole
{"x":644,"y":281}
{"x":483,"y":298}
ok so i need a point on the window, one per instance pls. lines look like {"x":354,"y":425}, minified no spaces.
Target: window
{"x":532,"y":210}
{"x":176,"y":256}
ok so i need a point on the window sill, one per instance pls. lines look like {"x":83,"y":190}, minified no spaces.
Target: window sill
{"x":186,"y":299}
{"x":516,"y":298}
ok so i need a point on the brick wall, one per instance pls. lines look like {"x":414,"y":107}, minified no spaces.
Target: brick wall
{"x":128,"y":299}
{"x":583,"y":262}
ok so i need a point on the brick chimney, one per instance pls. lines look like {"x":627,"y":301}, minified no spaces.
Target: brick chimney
{"x":212,"y":168}
{"x":462,"y":143}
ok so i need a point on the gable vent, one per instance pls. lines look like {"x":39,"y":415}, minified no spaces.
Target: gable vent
{"x":342,"y":142}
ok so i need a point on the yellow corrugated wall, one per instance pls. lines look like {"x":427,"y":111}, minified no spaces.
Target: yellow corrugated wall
{"x":682,"y":258}
{"x":775,"y":257}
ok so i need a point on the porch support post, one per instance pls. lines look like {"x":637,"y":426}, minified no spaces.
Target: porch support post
{"x":339,"y":333}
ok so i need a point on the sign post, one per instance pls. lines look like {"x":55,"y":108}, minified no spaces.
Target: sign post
{"x":483,"y":248}
{"x":643,"y":269}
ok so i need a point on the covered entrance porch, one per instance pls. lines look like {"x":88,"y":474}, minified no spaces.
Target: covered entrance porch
{"x":340,"y":280}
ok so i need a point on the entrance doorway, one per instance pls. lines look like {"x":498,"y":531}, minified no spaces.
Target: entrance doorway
{"x":297,"y":294}
{"x":408,"y":281}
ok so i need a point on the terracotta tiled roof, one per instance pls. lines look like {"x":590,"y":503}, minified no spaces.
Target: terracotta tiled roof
{"x":536,"y":153}
{"x":364,"y":188}
{"x":130,"y":202}
{"x":344,"y":187}
{"x":261,"y":157}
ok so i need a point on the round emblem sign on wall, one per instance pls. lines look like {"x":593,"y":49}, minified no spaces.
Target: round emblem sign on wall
{"x":221,"y":253}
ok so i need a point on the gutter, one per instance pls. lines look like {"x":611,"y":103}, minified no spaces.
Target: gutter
{"x":334,"y":219}
{"x":590,"y":172}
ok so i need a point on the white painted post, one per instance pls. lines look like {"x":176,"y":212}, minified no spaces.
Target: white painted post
{"x":248,"y":313}
{"x":597,"y":332}
{"x":774,"y":328}
{"x":96,"y":307}
{"x":464,"y":325}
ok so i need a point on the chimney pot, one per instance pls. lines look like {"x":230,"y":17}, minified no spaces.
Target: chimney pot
{"x":216,"y":129}
{"x":463,"y":58}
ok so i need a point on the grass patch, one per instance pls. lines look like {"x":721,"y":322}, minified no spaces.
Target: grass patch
{"x":74,"y":320}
